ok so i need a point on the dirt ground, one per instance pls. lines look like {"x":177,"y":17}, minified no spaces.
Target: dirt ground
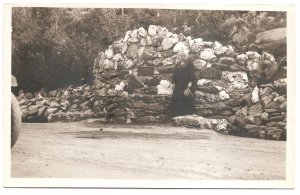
{"x":85,"y":150}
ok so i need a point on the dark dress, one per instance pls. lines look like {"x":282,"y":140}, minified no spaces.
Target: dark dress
{"x":180,"y":104}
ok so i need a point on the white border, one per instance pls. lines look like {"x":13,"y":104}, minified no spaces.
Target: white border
{"x":289,"y":183}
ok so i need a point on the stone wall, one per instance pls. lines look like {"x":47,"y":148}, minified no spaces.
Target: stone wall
{"x":68,"y":104}
{"x":248,"y":90}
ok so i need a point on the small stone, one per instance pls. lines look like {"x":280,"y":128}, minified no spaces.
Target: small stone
{"x":210,"y":73}
{"x":132,"y":51}
{"x":242,"y":59}
{"x":227,"y":60}
{"x":129,"y":64}
{"x":255,"y":95}
{"x":276,"y":118}
{"x":142,"y":32}
{"x":256,"y":110}
{"x":152,"y":30}
{"x":223,"y":95}
{"x":181,"y":47}
{"x":253,"y":55}
{"x":243,"y":112}
{"x":54,"y":105}
{"x":42,"y":110}
{"x":199,"y":64}
{"x":109,"y":53}
{"x":207,"y":54}
{"x":33,"y":109}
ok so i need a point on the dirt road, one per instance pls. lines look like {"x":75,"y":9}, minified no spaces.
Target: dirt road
{"x":81,"y":150}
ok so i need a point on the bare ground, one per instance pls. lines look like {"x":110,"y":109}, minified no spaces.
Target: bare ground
{"x":82,"y":150}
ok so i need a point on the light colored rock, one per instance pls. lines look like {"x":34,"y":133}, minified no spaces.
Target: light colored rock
{"x":191,"y":42}
{"x":149,"y":40}
{"x":254,"y":65}
{"x":143,"y":42}
{"x":199,"y":64}
{"x":54,"y":105}
{"x":165,"y":87}
{"x":127,"y":36}
{"x":255,"y":95}
{"x":129,"y":64}
{"x":201,"y":122}
{"x":120,"y":87}
{"x":142,"y":32}
{"x":264,"y":116}
{"x":181,"y":47}
{"x":141,"y":52}
{"x":230,"y":51}
{"x":198,"y":40}
{"x":108,"y":64}
{"x":242,"y":58}
{"x":118,"y":57}
{"x":162,"y":31}
{"x":134,"y":34}
{"x":169,"y":34}
{"x":201,"y":82}
{"x":219,"y":49}
{"x":253,"y":55}
{"x":152,"y":30}
{"x":196,"y":48}
{"x":207,"y":54}
{"x":223,"y":95}
{"x":168,"y":61}
{"x":167,"y":43}
{"x":235,"y":80}
{"x":109,"y":53}
{"x":124,"y":48}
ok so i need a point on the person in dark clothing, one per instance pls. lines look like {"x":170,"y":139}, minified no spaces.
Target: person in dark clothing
{"x":182,"y":102}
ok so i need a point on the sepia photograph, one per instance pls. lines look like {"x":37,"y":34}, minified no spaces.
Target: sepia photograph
{"x":148,"y":93}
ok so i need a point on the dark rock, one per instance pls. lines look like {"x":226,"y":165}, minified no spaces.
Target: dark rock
{"x":240,"y":122}
{"x":227,"y":60}
{"x":33,"y":110}
{"x":167,"y":53}
{"x":256,"y":110}
{"x":210,"y":73}
{"x":231,"y":119}
{"x":276,"y":118}
{"x":208,"y":89}
{"x":166,"y":69}
{"x":270,"y":110}
{"x":149,"y":53}
{"x":274,"y":105}
{"x":132,"y":51}
{"x":42,"y":110}
{"x":220,"y":66}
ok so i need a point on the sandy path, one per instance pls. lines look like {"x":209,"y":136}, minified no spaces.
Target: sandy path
{"x":80,"y":150}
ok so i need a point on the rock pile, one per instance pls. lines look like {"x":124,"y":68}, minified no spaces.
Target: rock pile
{"x":69,"y":104}
{"x":133,"y":82}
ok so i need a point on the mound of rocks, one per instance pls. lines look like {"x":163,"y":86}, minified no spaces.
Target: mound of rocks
{"x":133,"y":82}
{"x":68,"y":104}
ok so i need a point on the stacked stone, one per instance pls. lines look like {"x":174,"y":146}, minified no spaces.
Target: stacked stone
{"x":68,"y":104}
{"x":136,"y":72}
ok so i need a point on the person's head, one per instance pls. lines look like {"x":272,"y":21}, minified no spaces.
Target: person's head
{"x":181,"y":59}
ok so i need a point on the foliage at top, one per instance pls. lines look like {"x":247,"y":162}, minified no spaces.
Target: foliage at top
{"x":56,"y":47}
